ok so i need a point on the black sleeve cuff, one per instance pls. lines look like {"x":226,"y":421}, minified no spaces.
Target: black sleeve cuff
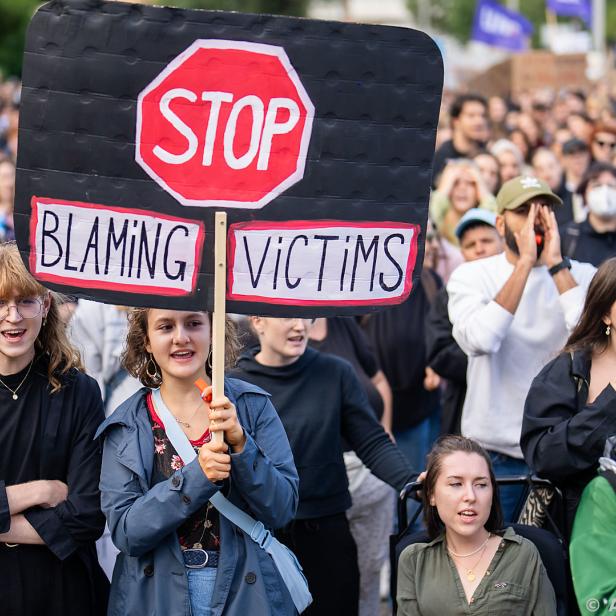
{"x":5,"y":512}
{"x":52,"y":531}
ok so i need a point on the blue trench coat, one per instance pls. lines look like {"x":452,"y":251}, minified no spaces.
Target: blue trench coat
{"x":149,"y":577}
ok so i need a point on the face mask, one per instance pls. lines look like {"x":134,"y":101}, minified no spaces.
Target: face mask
{"x":602,"y":201}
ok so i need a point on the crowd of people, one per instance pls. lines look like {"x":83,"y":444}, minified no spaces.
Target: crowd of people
{"x":502,"y":362}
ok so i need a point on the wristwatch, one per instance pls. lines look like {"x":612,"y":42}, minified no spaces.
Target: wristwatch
{"x":564,"y":264}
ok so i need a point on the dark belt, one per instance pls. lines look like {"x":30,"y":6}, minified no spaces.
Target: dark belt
{"x":197,"y":559}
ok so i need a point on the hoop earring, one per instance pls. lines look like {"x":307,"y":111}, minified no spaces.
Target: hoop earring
{"x":608,"y":330}
{"x":208,"y":361}
{"x":154,"y":374}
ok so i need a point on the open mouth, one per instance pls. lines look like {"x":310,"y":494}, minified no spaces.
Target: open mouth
{"x":296,"y":339}
{"x":13,"y":335}
{"x":467,"y":514}
{"x":182,"y":355}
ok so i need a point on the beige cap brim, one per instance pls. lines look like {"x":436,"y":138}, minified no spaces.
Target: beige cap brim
{"x":512,"y":205}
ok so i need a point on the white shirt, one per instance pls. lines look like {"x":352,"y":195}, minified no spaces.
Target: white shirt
{"x":505,"y":351}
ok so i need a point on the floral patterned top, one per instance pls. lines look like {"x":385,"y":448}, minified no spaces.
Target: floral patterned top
{"x":202,"y":530}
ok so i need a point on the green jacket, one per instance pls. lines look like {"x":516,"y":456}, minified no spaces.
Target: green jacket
{"x":515,"y":583}
{"x":593,"y":549}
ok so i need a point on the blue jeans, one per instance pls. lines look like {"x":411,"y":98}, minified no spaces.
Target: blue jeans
{"x":200,"y":590}
{"x":510,"y":496}
{"x":415,"y":443}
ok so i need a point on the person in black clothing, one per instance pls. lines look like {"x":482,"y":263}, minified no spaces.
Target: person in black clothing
{"x":594,"y":239}
{"x":321,"y":402}
{"x":478,"y":239}
{"x":570,"y":409}
{"x":397,"y":334}
{"x":50,"y":513}
{"x":371,"y":515}
{"x":469,"y":125}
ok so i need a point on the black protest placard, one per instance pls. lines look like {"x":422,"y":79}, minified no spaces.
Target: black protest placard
{"x":138,"y":123}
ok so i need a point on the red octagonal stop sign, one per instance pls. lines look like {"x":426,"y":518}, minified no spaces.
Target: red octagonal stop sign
{"x":227,"y":123}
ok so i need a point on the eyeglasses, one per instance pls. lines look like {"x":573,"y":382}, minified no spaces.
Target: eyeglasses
{"x":28,"y":307}
{"x":603,"y":144}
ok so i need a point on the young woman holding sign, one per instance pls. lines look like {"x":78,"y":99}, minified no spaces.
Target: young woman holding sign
{"x":50,"y":511}
{"x":179,"y":555}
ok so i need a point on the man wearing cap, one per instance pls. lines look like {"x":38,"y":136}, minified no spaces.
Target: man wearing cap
{"x":511,"y":313}
{"x":478,"y":238}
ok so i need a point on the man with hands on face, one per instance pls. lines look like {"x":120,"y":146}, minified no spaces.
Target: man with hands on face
{"x":511,"y":313}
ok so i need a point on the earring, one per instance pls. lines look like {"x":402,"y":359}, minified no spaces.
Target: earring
{"x":608,"y":330}
{"x":208,"y":361}
{"x":44,"y":320}
{"x":153,"y":374}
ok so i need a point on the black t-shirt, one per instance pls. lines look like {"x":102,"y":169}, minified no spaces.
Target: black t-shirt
{"x":320,"y":401}
{"x":398,"y":335}
{"x":33,"y":579}
{"x":345,"y":339}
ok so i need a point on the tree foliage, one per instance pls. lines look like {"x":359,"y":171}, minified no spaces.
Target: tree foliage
{"x":15,"y":15}
{"x":14,"y":18}
{"x":455,"y":17}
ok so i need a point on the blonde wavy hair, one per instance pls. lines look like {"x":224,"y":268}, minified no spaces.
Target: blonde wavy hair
{"x":52,"y":339}
{"x":138,"y":362}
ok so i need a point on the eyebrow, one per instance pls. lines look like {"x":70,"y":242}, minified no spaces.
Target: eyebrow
{"x":458,"y":477}
{"x":193,"y":315}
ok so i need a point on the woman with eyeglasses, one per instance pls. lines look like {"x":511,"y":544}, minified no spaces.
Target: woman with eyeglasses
{"x":603,"y":143}
{"x":50,"y":511}
{"x":323,"y":407}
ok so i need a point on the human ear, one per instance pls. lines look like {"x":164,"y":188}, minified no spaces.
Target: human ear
{"x":46,"y":304}
{"x":500,"y":225}
{"x":257,"y":325}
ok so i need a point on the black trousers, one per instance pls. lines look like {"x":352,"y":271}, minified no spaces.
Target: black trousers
{"x":327,"y":552}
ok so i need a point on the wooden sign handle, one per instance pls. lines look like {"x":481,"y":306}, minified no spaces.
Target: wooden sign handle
{"x":218,"y":317}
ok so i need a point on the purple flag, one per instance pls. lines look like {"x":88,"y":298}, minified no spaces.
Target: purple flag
{"x":500,"y":27}
{"x":572,"y":8}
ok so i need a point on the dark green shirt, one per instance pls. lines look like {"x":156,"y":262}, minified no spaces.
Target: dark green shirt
{"x":515,"y":583}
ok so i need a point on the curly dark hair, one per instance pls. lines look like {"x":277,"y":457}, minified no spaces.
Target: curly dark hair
{"x":443,"y":447}
{"x":135,"y":358}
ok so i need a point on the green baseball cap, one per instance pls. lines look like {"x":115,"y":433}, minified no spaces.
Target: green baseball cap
{"x":518,"y":191}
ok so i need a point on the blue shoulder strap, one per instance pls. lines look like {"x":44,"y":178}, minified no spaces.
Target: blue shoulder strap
{"x":254,"y":529}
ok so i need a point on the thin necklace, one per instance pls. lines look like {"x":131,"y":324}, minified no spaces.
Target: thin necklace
{"x":185,"y":423}
{"x":14,"y":391}
{"x":483,"y":545}
{"x":470,"y":573}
